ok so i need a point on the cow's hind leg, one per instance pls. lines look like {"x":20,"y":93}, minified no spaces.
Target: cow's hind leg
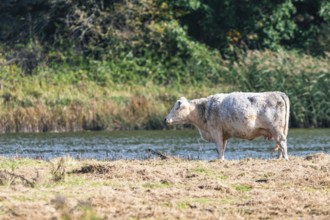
{"x":278,"y":149}
{"x":221,"y":146}
{"x":283,"y":149}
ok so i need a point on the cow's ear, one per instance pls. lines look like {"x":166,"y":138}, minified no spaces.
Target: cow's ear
{"x":184,"y":103}
{"x":180,"y":101}
{"x":178,"y":104}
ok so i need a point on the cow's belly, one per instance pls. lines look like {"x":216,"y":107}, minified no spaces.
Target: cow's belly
{"x":246,"y":132}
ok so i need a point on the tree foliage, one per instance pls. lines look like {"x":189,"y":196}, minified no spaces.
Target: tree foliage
{"x":251,"y":24}
{"x":99,"y":28}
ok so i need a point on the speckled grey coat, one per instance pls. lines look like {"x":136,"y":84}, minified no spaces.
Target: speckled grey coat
{"x":241,"y":115}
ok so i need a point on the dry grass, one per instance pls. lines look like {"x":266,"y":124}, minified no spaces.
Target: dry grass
{"x":167,"y":189}
{"x":86,"y":106}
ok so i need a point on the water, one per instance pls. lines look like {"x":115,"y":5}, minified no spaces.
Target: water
{"x":134,"y":145}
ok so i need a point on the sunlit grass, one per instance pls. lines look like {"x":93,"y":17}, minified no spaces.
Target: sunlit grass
{"x":38,"y":103}
{"x":16,"y":163}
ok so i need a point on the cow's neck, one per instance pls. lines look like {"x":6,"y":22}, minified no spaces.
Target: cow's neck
{"x":198,"y":117}
{"x":197,"y":112}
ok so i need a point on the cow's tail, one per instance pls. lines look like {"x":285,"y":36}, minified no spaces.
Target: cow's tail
{"x":287,"y":113}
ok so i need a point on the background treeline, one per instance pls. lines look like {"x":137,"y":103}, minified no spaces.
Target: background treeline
{"x":106,"y":64}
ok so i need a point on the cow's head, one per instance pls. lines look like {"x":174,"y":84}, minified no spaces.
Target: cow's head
{"x":179,"y":113}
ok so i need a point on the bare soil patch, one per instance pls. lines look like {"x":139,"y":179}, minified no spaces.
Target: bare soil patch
{"x":174,"y":188}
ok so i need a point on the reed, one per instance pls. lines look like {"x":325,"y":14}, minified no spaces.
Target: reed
{"x":34,"y":106}
{"x":304,"y":78}
{"x":67,"y":99}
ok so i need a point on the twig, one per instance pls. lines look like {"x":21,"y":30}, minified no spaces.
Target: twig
{"x":58,"y":171}
{"x":15,"y":176}
{"x":162,"y":156}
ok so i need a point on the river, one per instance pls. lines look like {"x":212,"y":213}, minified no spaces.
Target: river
{"x":135,"y":144}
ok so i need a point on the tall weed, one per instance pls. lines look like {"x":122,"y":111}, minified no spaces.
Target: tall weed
{"x":304,"y":78}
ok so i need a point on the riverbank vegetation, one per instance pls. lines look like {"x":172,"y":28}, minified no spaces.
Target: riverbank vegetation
{"x":173,"y":188}
{"x":93,"y":65}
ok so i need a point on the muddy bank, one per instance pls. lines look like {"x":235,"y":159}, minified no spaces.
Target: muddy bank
{"x":165,"y":189}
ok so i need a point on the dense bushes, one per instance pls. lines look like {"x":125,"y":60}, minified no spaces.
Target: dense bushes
{"x":253,"y":24}
{"x":54,"y":31}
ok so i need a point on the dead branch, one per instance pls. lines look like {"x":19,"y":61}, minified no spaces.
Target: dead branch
{"x":15,"y":176}
{"x":162,"y":156}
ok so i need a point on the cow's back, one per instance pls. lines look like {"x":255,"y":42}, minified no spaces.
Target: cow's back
{"x":248,"y":115}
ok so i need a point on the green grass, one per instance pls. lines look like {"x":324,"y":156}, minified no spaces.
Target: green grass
{"x":66,"y":98}
{"x":242,"y":187}
{"x":13,"y":164}
{"x":201,"y":170}
{"x":222,"y":177}
{"x":183,"y":205}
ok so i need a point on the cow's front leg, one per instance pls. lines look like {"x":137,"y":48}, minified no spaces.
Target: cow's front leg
{"x":221,"y":146}
{"x":282,"y":150}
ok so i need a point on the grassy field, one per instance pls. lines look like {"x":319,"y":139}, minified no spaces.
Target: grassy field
{"x":174,"y":188}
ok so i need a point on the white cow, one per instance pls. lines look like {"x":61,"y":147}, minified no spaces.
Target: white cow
{"x":241,"y":115}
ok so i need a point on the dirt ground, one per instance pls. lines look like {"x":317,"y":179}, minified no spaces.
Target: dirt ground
{"x":173,"y":188}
